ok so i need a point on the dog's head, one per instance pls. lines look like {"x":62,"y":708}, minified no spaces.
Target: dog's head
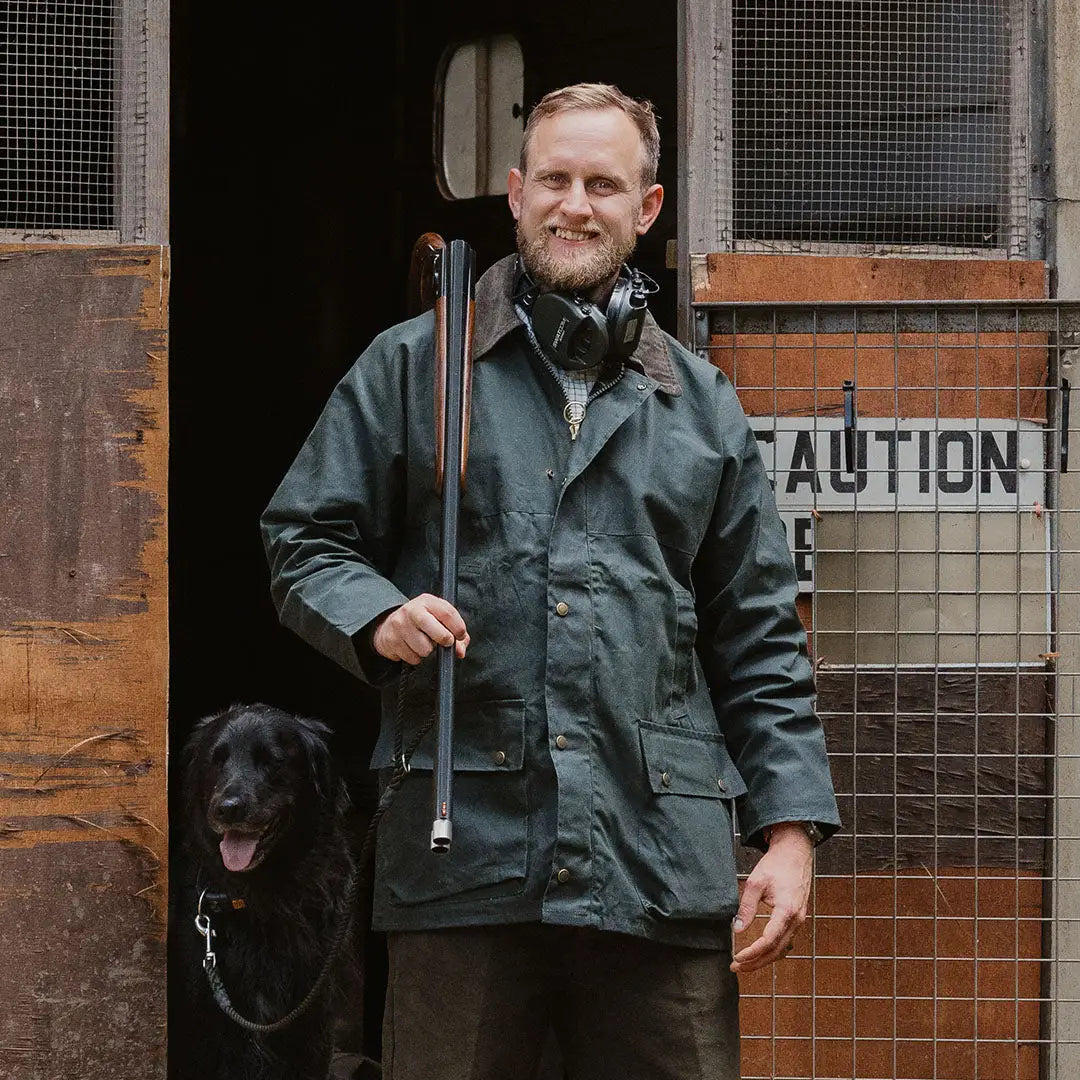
{"x":256,"y":780}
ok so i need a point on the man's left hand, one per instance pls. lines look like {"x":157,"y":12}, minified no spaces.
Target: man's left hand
{"x":781,"y":880}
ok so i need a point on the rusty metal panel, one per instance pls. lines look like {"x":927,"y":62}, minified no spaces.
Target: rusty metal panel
{"x":83,"y":661}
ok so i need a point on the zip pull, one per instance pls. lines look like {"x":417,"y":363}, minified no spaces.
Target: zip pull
{"x":573,"y":414}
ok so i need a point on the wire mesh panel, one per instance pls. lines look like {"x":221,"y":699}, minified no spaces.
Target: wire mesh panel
{"x":58,"y":115}
{"x":879,"y":123}
{"x":916,"y":451}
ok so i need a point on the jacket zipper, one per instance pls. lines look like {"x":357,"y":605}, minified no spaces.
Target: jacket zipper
{"x":574,"y":411}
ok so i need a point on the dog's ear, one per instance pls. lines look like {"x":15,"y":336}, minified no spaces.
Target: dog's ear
{"x":315,"y":740}
{"x":196,"y":742}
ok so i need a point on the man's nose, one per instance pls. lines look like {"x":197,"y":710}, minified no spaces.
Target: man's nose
{"x":576,"y":200}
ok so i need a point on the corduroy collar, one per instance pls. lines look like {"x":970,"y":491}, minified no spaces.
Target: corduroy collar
{"x":496,"y":317}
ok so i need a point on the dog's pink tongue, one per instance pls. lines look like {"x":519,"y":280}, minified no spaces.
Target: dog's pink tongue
{"x":237,"y":849}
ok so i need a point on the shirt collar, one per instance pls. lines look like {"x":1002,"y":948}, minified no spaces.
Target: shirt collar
{"x":496,"y":317}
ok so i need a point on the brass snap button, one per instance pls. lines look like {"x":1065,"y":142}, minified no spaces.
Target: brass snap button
{"x":665,"y":779}
{"x":720,"y":784}
{"x":562,"y":742}
{"x":563,"y":876}
{"x":562,"y":608}
{"x":499,"y":757}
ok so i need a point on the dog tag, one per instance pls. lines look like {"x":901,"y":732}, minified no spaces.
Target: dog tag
{"x":573,"y":414}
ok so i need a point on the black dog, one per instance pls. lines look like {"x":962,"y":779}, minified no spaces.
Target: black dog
{"x":267,"y":848}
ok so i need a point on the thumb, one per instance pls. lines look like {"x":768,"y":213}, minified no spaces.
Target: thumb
{"x":749,"y":905}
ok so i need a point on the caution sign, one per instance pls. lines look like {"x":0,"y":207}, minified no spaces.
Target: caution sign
{"x":889,"y":464}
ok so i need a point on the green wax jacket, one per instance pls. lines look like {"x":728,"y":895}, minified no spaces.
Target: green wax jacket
{"x":637,"y":673}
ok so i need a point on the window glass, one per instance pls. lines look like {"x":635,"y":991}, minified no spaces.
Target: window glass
{"x":480,"y":117}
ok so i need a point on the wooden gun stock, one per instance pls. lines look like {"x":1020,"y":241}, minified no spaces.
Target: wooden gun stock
{"x":425,"y":254}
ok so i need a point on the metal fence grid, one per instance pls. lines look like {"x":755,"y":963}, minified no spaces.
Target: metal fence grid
{"x":916,"y":450}
{"x":58,"y":115}
{"x":883,"y":124}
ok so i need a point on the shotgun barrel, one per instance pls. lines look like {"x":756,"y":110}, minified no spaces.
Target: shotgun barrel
{"x":454,"y":308}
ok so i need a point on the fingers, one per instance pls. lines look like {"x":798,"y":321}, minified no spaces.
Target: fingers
{"x":748,"y":907}
{"x":427,"y":629}
{"x":781,"y":880}
{"x":445,"y":613}
{"x":775,"y":942}
{"x":411,"y":632}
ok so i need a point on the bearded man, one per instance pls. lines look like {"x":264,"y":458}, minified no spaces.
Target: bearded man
{"x":633,"y":671}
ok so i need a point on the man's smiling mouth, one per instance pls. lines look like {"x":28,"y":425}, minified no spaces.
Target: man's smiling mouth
{"x":572,"y":234}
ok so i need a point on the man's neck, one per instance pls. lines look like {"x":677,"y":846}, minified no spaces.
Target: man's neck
{"x":597,"y":294}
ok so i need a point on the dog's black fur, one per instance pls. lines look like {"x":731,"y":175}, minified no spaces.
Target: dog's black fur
{"x":257,"y":771}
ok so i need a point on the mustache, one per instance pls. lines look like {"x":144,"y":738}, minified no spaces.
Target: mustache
{"x":592,"y":227}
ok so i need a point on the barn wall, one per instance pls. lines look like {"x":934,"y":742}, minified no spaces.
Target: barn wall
{"x":83,"y":661}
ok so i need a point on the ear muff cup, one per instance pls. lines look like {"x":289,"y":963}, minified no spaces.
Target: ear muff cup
{"x":626,"y":312}
{"x":571,"y":330}
{"x":575,"y":333}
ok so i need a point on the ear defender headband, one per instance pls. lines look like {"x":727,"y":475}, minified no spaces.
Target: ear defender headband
{"x":577,"y":334}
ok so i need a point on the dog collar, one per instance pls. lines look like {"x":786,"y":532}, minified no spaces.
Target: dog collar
{"x":219,"y":903}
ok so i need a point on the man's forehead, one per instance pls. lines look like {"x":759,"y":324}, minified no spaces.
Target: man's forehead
{"x":596,"y":135}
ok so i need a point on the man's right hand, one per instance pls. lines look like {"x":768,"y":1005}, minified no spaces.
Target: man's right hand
{"x":410,"y":632}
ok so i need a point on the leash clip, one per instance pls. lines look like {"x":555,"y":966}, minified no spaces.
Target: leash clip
{"x":202,"y":924}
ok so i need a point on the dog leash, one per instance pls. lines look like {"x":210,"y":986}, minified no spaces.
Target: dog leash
{"x":358,"y":878}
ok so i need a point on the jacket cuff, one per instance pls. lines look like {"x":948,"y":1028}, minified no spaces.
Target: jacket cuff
{"x":375,"y":669}
{"x":755,"y":836}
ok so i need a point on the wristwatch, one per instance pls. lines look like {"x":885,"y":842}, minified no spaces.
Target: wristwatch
{"x":809,"y":827}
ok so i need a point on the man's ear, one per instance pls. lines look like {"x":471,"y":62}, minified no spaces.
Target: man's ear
{"x":651,"y":202}
{"x":514,"y":183}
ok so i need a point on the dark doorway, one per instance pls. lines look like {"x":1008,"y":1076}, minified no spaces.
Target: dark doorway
{"x":302,"y":173}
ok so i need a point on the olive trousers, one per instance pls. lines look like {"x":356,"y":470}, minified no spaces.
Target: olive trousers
{"x":478,"y":1003}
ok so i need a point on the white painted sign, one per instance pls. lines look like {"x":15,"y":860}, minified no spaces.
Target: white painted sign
{"x":897,"y":464}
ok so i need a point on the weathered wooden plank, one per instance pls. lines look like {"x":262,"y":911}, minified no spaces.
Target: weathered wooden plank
{"x":819,"y":279}
{"x":83,"y":965}
{"x":705,"y":121}
{"x":945,"y":373}
{"x":906,"y":975}
{"x":937,"y":768}
{"x":83,"y":660}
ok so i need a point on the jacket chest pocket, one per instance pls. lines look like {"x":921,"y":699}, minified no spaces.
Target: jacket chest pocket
{"x":488,"y":855}
{"x":686,"y":850}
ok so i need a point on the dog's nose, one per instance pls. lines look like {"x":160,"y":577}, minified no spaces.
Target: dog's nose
{"x":229,"y":809}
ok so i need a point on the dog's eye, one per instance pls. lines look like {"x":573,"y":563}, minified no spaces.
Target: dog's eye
{"x":220,"y":754}
{"x":262,"y":757}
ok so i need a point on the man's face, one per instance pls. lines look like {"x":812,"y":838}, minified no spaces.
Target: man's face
{"x":580,"y":208}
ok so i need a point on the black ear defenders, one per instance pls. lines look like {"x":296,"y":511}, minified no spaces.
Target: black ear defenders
{"x":576,"y":333}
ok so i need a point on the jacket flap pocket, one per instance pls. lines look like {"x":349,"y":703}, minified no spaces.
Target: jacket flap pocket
{"x":680,"y":761}
{"x":489,"y":736}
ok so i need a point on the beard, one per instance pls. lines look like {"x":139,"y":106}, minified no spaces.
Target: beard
{"x":583,"y":273}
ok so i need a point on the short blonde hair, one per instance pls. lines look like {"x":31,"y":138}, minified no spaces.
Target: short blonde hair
{"x":600,"y":96}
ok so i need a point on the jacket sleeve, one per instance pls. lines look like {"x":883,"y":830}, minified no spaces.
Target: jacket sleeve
{"x":332,"y":529}
{"x":752,"y":645}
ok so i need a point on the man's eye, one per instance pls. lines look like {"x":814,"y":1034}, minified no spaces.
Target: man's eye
{"x":601,"y":187}
{"x":553,"y":180}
